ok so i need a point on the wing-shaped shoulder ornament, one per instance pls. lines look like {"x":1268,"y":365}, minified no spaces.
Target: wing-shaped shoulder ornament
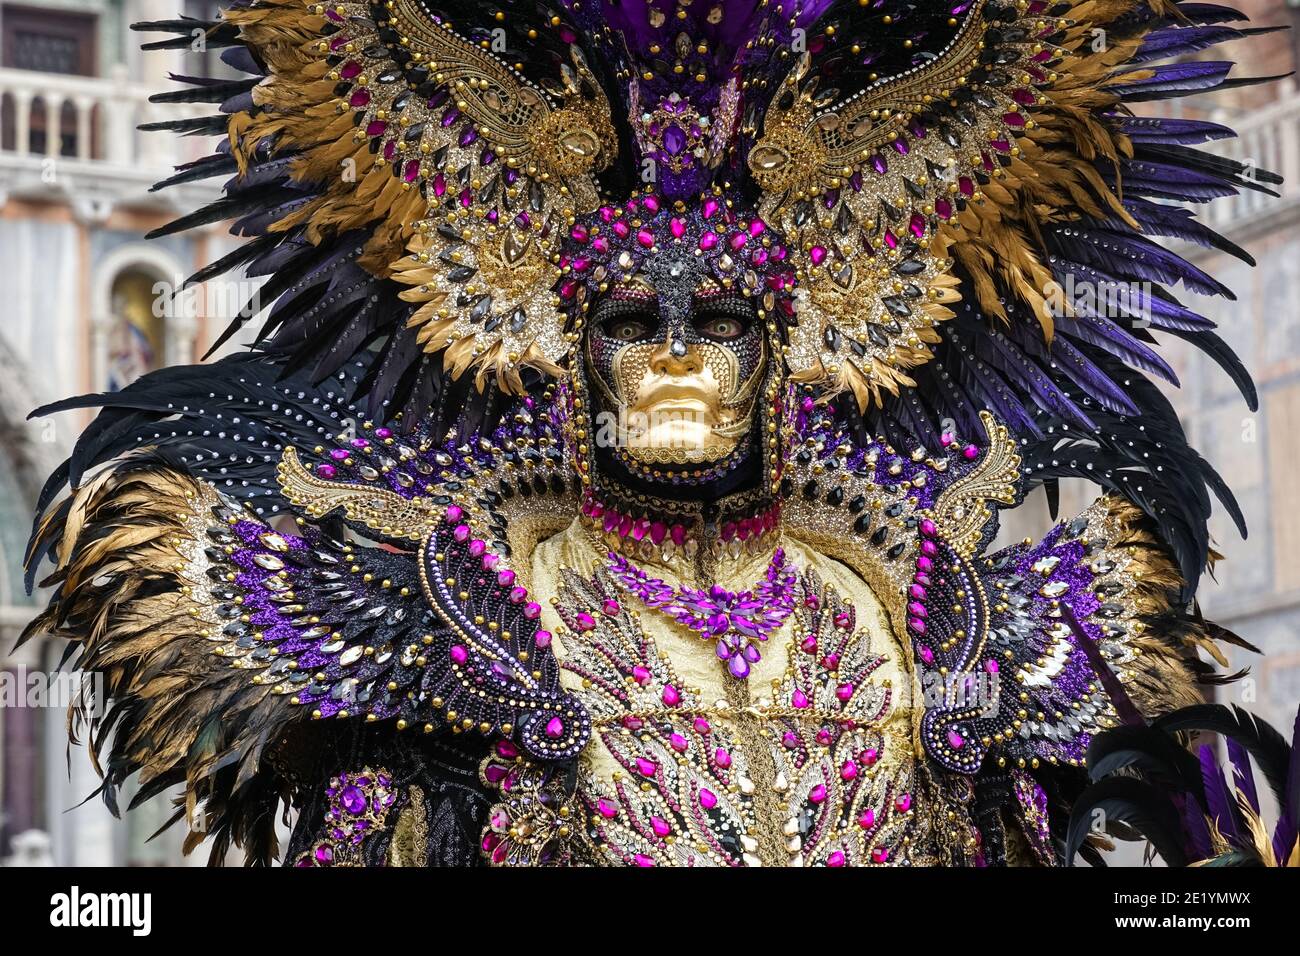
{"x":1022,"y":655}
{"x":472,"y":165}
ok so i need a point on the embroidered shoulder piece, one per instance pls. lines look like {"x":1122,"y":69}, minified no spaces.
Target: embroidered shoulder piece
{"x":1024,"y":654}
{"x":486,"y":663}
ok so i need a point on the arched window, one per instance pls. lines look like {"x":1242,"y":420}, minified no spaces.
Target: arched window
{"x":137,"y":335}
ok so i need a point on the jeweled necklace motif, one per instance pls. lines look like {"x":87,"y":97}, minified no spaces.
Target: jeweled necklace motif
{"x":736,"y":620}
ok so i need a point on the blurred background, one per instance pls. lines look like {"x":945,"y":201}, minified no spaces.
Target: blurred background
{"x":78,"y":313}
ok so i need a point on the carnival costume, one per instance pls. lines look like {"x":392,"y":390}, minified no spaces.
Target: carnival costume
{"x":635,"y":388}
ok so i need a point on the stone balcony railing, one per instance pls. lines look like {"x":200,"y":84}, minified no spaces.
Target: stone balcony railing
{"x":1267,"y":138}
{"x":78,"y":136}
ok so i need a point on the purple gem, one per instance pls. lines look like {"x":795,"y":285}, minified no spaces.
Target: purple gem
{"x":674,"y":140}
{"x":353,"y":800}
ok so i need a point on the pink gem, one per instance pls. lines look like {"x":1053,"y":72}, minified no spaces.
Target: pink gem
{"x":584,"y":621}
{"x":817,"y":794}
{"x":817,"y":254}
{"x":956,"y":740}
{"x":459,"y":654}
{"x":532,"y":610}
{"x":646,"y":767}
{"x":542,"y":638}
{"x":606,"y":808}
{"x":707,"y":799}
{"x":678,"y":743}
{"x":849,"y":771}
{"x":844,"y":692}
{"x":640,"y":675}
{"x":991,"y":666}
{"x":799,"y":699}
{"x":643,"y":860}
{"x":555,"y":728}
{"x":506,"y":578}
{"x":880,"y":854}
{"x":671,"y":696}
{"x":789,"y":740}
{"x":869,"y":756}
{"x":660,"y":827}
{"x":677,"y":228}
{"x":722,"y":758}
{"x":836,"y":859}
{"x":611,"y":608}
{"x":701,"y":725}
{"x":517,"y":595}
{"x":823,"y":737}
{"x":808,"y":645}
{"x":645,"y":237}
{"x":708,"y":241}
{"x":904,"y":803}
{"x":867,"y":819}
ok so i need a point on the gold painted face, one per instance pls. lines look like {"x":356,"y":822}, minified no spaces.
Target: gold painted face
{"x":683,"y":403}
{"x":682,"y":392}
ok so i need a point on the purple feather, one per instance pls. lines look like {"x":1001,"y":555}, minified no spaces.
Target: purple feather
{"x":1288,"y":825}
{"x":1219,"y":803}
{"x":1243,"y":778}
{"x":1175,"y":79}
{"x":1163,"y":129}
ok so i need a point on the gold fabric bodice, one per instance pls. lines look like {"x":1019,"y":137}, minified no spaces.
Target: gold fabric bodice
{"x":807,"y":762}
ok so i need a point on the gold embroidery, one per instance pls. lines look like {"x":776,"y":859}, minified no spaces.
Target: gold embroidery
{"x":410,"y":843}
{"x":962,"y":510}
{"x":689,"y":769}
{"x":377,"y":508}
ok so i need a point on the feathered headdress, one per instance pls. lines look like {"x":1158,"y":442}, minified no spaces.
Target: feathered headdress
{"x":942,"y":208}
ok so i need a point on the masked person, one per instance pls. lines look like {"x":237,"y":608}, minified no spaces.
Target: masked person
{"x":613,"y":478}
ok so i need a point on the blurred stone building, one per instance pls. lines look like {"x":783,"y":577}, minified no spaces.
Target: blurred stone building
{"x":85,"y":308}
{"x":81,"y":313}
